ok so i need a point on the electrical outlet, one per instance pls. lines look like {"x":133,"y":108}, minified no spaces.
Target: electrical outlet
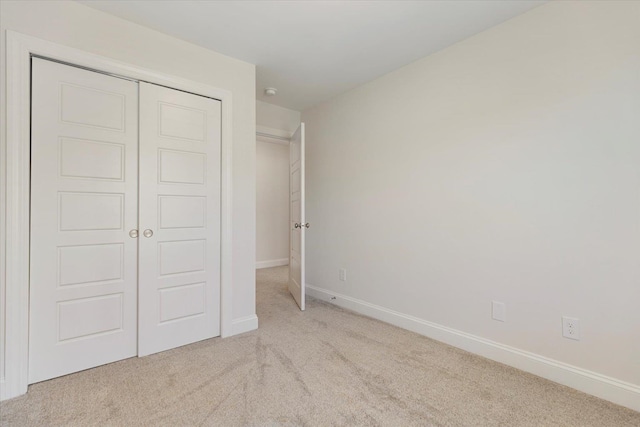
{"x":571,"y":328}
{"x":498,"y":311}
{"x":343,"y":274}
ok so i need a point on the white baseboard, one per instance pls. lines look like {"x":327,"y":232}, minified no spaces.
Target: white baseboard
{"x":244,"y":324}
{"x":4,"y":393}
{"x":602,"y":386}
{"x":272,"y":263}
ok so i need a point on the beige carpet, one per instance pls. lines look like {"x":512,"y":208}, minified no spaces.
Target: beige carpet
{"x":323,"y":367}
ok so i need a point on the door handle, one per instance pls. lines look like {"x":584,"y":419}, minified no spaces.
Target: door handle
{"x":147,"y":233}
{"x":296,"y":225}
{"x":133,"y":234}
{"x":306,"y":225}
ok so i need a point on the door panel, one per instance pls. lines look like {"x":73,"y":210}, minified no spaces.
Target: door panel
{"x":179,"y":282}
{"x":296,"y":203}
{"x":83,"y":278}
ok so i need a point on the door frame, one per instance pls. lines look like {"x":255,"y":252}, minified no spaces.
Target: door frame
{"x":20,"y":48}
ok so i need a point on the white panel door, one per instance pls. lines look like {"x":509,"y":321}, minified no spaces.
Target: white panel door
{"x":84,"y":161}
{"x":179,"y":261}
{"x":296,"y":218}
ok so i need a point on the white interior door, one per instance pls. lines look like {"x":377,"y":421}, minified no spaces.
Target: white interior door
{"x":179,"y":261}
{"x":296,"y":218}
{"x":83,"y":278}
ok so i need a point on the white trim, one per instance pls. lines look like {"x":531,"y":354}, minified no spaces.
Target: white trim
{"x":620,"y":392}
{"x":272,"y":263}
{"x":17,"y":221}
{"x":19,"y":50}
{"x":272,"y":135}
{"x":276,"y":133}
{"x":245,"y":324}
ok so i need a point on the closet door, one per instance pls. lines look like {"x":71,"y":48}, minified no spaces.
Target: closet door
{"x":84,"y":159}
{"x":179,"y":259}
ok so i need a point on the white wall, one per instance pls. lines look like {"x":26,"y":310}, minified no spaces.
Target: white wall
{"x":80,"y":27}
{"x":505,"y":167}
{"x":275,"y":117}
{"x":272,"y":186}
{"x":272,"y":204}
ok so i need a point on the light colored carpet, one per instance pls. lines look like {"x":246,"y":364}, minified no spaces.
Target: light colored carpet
{"x":323,"y":367}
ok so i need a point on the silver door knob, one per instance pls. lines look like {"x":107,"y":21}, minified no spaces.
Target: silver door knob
{"x":296,"y":225}
{"x":147,"y":233}
{"x":306,"y":225}
{"x":133,"y":234}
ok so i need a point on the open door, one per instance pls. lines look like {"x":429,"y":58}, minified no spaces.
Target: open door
{"x":296,"y":217}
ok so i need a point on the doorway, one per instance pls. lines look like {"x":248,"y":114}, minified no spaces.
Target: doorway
{"x":280,"y":204}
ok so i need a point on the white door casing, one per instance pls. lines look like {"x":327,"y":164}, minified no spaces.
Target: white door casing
{"x":297,"y":217}
{"x":179,"y":257}
{"x":83,"y":274}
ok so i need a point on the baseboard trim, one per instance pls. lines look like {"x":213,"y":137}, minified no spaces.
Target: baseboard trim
{"x":272,"y":263}
{"x":4,"y":393}
{"x":602,"y":386}
{"x":244,"y":324}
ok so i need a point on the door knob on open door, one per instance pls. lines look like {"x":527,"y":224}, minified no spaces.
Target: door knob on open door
{"x":147,"y":233}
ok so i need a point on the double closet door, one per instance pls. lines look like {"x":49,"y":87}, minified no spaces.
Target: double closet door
{"x":125,"y":219}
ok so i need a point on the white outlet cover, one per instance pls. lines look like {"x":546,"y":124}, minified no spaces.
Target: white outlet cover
{"x":498,"y":311}
{"x":571,"y":328}
{"x":343,"y":274}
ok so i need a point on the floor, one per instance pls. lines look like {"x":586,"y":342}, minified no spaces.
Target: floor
{"x":323,"y":367}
